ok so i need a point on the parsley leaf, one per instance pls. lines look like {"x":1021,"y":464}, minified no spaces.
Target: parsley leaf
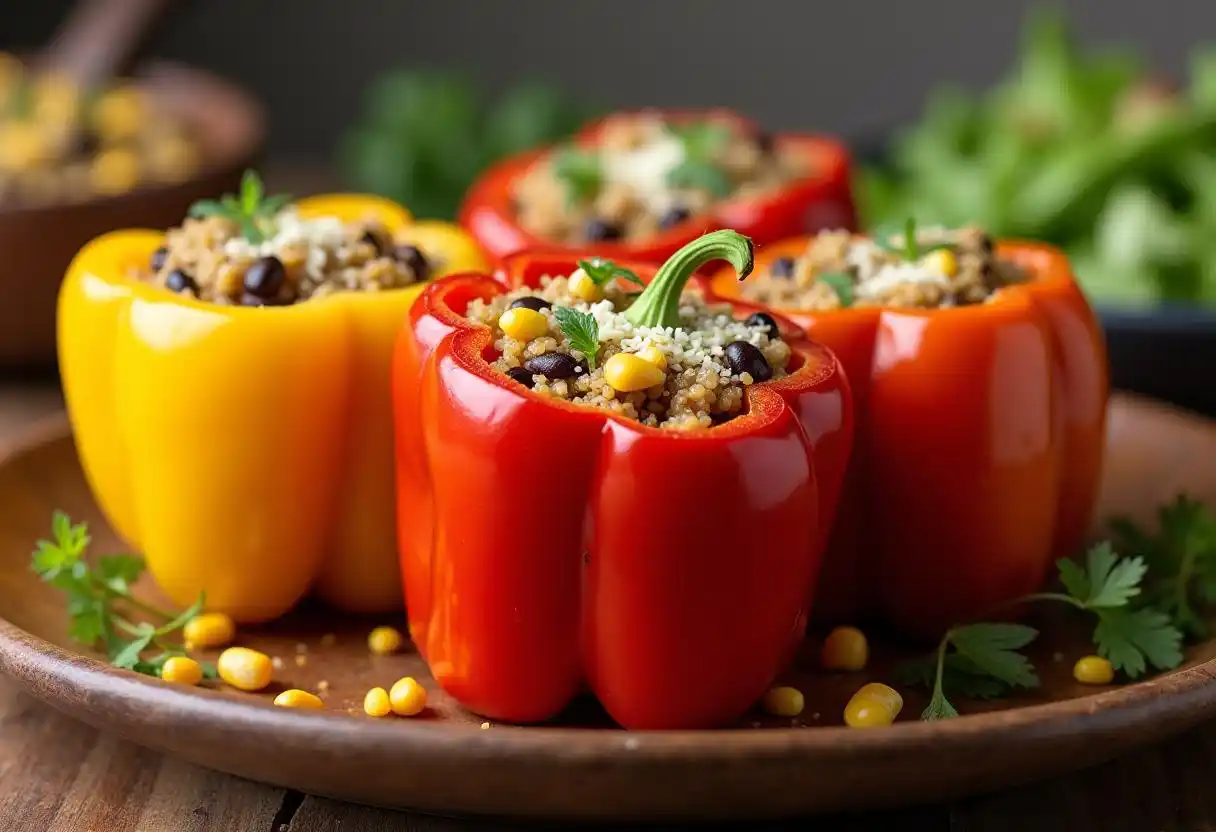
{"x":1107,"y":581}
{"x":601,"y":271}
{"x":702,"y":140}
{"x":841,"y":284}
{"x":1131,"y":638}
{"x":939,"y":707}
{"x":992,"y":649}
{"x":700,"y":175}
{"x":581,"y":329}
{"x":580,"y":170}
{"x":99,"y":598}
{"x":251,"y":209}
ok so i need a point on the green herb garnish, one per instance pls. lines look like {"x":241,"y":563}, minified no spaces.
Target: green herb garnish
{"x":581,"y":172}
{"x":908,"y":247}
{"x":702,"y":139}
{"x":602,"y":271}
{"x":581,"y":330}
{"x":101,"y":604}
{"x":701,"y":175}
{"x":982,"y":660}
{"x":251,"y":210}
{"x":1181,"y":558}
{"x":841,"y":284}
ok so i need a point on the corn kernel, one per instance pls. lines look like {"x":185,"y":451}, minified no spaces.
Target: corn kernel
{"x":874,"y":705}
{"x":583,"y":287}
{"x":627,"y":372}
{"x":119,"y":114}
{"x":653,"y":355}
{"x":377,"y":703}
{"x":173,"y":159}
{"x":408,"y":698}
{"x":1093,"y":670}
{"x":22,"y":145}
{"x":845,"y":648}
{"x":244,"y":669}
{"x":523,"y":324}
{"x":384,"y":640}
{"x":942,"y":261}
{"x":182,"y":670}
{"x":784,"y":701}
{"x":298,"y":699}
{"x":114,"y":172}
{"x":211,"y":629}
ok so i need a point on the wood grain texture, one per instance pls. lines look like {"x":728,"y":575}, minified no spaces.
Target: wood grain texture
{"x":58,"y":774}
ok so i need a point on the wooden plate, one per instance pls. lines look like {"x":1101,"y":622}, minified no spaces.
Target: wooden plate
{"x":448,"y":761}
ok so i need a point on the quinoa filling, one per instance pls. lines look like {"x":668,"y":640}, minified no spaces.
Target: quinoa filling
{"x":570,"y":338}
{"x":940,"y":268}
{"x":646,"y":175}
{"x":269,"y":255}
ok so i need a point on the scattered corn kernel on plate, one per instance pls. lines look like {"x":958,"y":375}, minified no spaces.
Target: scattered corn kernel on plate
{"x":360,"y":718}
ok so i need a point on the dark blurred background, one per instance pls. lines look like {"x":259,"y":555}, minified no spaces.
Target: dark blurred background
{"x":852,"y":67}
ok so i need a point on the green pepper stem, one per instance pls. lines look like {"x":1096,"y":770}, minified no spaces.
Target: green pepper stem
{"x":659,"y":304}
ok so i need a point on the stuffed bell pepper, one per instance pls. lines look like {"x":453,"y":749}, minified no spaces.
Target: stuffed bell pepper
{"x":639,"y":185}
{"x":611,"y":488}
{"x":227,"y":384}
{"x":980,"y":379}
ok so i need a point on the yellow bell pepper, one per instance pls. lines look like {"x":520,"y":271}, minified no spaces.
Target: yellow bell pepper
{"x":246,"y":452}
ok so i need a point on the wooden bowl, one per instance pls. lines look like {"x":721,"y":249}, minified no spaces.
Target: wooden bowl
{"x":580,"y":768}
{"x":38,"y":242}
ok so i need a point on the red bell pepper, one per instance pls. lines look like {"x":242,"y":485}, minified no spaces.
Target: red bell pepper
{"x":547,"y":546}
{"x":979,"y":445}
{"x":821,"y":201}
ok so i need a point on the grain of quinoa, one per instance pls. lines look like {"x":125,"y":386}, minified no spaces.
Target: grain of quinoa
{"x":967,"y":271}
{"x":301,"y":259}
{"x":699,"y":390}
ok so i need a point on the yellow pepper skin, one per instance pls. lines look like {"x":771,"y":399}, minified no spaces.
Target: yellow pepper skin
{"x":246,"y":452}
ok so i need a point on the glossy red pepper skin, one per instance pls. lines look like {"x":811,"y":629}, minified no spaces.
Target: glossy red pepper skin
{"x":548,"y":547}
{"x":978,"y":450}
{"x":823,"y":201}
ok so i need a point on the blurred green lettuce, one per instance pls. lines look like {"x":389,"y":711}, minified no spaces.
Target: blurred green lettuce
{"x":1084,"y":149}
{"x":422,"y":137}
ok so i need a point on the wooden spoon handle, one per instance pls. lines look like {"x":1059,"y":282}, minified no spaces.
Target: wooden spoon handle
{"x":101,"y":39}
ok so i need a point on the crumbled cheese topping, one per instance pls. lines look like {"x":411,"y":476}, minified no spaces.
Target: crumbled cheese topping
{"x":644,"y":168}
{"x":875,"y":273}
{"x":319,"y":236}
{"x":700,"y":341}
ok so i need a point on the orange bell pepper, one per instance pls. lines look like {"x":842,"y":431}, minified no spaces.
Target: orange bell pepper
{"x":244,"y":451}
{"x":978,"y":446}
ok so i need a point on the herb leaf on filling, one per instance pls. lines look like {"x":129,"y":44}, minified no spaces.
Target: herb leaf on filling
{"x":841,"y":284}
{"x":581,"y":172}
{"x":581,"y":330}
{"x":601,"y":271}
{"x":251,"y":210}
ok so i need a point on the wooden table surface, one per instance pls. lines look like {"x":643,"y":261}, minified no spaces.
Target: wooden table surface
{"x":62,"y":776}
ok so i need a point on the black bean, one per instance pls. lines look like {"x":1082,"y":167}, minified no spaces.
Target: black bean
{"x":530,"y":302}
{"x":782,"y":267}
{"x":766,"y":321}
{"x":764,"y":141}
{"x":721,"y":418}
{"x":157,"y":261}
{"x":265,"y":277}
{"x":599,"y":230}
{"x":178,"y":281}
{"x":553,"y":365}
{"x":521,"y":375}
{"x":413,"y":257}
{"x":374,"y":240}
{"x":745,"y":358}
{"x":674,"y":215}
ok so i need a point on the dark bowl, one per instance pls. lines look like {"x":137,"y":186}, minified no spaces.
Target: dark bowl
{"x":1166,"y":351}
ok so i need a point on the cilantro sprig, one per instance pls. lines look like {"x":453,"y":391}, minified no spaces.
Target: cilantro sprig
{"x":841,"y":284}
{"x":703,"y":141}
{"x":602,"y":271}
{"x":581,"y":329}
{"x":101,"y":605}
{"x":581,"y":172}
{"x":251,"y":210}
{"x":982,"y":660}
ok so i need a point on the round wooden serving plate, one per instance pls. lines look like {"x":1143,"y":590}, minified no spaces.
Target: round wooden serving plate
{"x":448,"y":761}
